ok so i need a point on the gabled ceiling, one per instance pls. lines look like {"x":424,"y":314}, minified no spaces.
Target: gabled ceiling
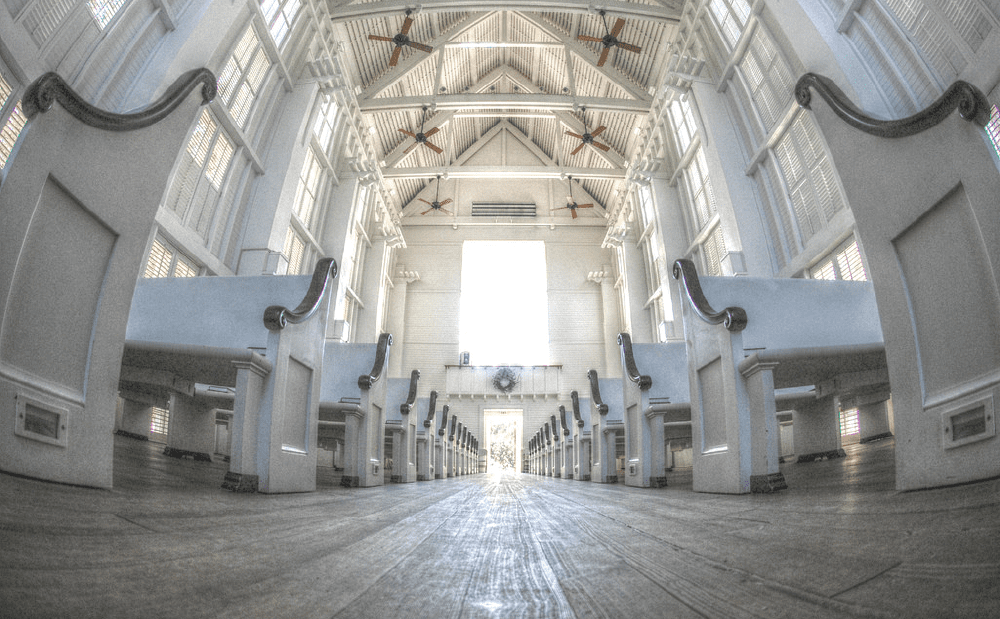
{"x":517,"y":67}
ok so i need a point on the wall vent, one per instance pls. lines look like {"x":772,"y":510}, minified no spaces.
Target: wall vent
{"x":503,"y":209}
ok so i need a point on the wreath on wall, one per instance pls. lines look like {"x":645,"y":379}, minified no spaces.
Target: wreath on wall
{"x":505,"y":380}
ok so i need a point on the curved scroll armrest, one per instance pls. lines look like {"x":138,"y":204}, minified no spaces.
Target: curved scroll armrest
{"x":277,"y":316}
{"x":562,"y":420}
{"x":970,"y":102}
{"x":411,"y":397}
{"x":628,"y":359}
{"x":444,"y":420}
{"x":595,"y":393}
{"x":50,"y":87}
{"x":575,"y":397}
{"x":430,"y":409}
{"x":452,"y":428}
{"x":733,"y":318}
{"x":555,"y":427}
{"x":548,"y":434}
{"x":365,"y":381}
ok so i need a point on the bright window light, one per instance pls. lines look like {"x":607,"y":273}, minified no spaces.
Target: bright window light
{"x":504,"y":313}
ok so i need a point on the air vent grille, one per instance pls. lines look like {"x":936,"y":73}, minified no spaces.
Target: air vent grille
{"x":503,"y":209}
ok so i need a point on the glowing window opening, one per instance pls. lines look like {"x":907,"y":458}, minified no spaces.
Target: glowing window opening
{"x":504,"y":305}
{"x":159,"y":421}
{"x":849,"y":425}
{"x":993,"y":129}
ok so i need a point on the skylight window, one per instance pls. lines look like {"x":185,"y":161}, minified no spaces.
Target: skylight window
{"x":504,"y":311}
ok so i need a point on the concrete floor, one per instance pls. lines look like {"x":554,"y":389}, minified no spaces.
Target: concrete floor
{"x":167,"y":542}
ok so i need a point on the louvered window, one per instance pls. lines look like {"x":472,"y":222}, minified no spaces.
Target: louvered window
{"x":993,"y":129}
{"x":325,"y":121}
{"x":159,"y":421}
{"x":280,"y":15}
{"x":243,"y":75}
{"x":165,"y":260}
{"x":682,"y":120}
{"x":843,"y":263}
{"x":700,"y":189}
{"x":768,"y":79}
{"x":809,"y":176}
{"x":13,"y":125}
{"x":713,"y":251}
{"x":104,"y":10}
{"x":731,"y":16}
{"x":849,"y":425}
{"x":658,"y":302}
{"x":308,"y":190}
{"x":295,"y":248}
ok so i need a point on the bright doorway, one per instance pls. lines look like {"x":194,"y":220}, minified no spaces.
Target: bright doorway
{"x":503,"y":439}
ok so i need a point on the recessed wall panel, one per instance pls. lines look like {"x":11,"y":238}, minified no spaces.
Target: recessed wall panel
{"x":947,"y":277}
{"x":713,"y":406}
{"x":56,"y":290}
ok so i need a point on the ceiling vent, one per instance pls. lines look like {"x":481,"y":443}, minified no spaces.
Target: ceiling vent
{"x":503,"y":209}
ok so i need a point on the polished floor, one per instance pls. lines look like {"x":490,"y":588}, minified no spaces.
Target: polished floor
{"x":167,"y":542}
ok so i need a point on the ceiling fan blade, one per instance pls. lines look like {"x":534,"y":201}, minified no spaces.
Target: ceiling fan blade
{"x":425,"y":201}
{"x":618,"y":27}
{"x":629,"y":47}
{"x":406,"y":25}
{"x":602,"y":59}
{"x":603,"y":147}
{"x":584,"y":206}
{"x":448,"y":201}
{"x":445,"y":210}
{"x":431,"y":132}
{"x":584,"y":37}
{"x":434,"y":147}
{"x":395,"y":56}
{"x":427,"y":211}
{"x":577,"y":149}
{"x":573,"y":211}
{"x":420,"y":46}
{"x":598,"y":131}
{"x":412,"y":135}
{"x":375,"y":37}
{"x":575,"y":135}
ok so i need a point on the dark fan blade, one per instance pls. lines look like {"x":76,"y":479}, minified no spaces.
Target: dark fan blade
{"x":603,"y":147}
{"x":577,"y":149}
{"x":629,"y":47}
{"x":406,"y":25}
{"x":420,"y":46}
{"x":431,"y":132}
{"x":618,"y":27}
{"x":375,"y":37}
{"x":395,"y":56}
{"x":425,"y":201}
{"x":575,"y":135}
{"x":445,"y":210}
{"x":598,"y":131}
{"x":584,"y":206}
{"x":427,"y":211}
{"x":584,"y":37}
{"x":600,"y":61}
{"x":573,"y":212}
{"x":435,"y":148}
{"x":448,"y":201}
{"x":412,"y":135}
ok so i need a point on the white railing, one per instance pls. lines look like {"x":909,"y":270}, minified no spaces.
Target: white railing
{"x":503,"y":381}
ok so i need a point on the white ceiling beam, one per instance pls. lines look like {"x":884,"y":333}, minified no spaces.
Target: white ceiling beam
{"x":528,"y":101}
{"x":608,"y":70}
{"x":386,"y":8}
{"x":512,"y":172}
{"x":413,"y":61}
